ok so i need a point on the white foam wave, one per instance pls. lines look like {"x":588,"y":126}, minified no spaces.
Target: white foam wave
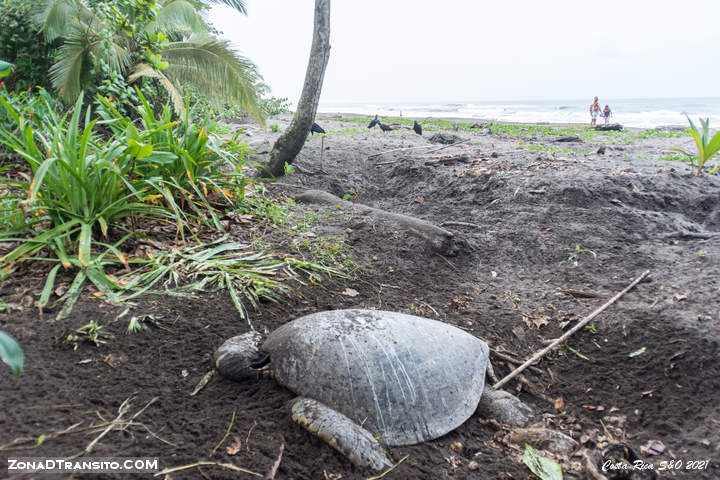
{"x":632,"y":113}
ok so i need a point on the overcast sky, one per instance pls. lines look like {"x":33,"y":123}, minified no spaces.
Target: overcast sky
{"x":473,"y":50}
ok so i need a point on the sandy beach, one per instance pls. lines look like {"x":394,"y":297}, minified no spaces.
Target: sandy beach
{"x":546,"y":225}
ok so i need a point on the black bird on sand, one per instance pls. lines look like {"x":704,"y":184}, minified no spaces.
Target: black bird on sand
{"x":374,"y":122}
{"x":385,"y":128}
{"x":417,"y":128}
{"x":316,"y":129}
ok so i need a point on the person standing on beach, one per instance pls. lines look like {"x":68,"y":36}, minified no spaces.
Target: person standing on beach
{"x":594,"y":112}
{"x":606,"y":114}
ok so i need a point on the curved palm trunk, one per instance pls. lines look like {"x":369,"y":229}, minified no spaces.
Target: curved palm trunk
{"x":292,"y":140}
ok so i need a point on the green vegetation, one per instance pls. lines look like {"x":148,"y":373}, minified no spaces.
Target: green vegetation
{"x":678,"y":158}
{"x":542,"y":467}
{"x":6,"y":69}
{"x":570,"y":151}
{"x":11,"y":353}
{"x":274,"y":127}
{"x":19,"y":45}
{"x":707,"y":147}
{"x":577,"y":252}
{"x":84,"y":183}
{"x":92,"y":332}
{"x":657,"y":133}
{"x":271,"y":106}
{"x":105,"y":46}
{"x":135,"y":159}
{"x":246,"y":275}
{"x":523,"y":130}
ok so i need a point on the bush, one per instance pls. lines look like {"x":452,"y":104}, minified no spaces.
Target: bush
{"x":274,"y":106}
{"x":23,"y":45}
{"x":37,"y":107}
{"x":72,"y":207}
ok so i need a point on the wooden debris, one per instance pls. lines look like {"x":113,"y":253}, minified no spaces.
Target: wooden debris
{"x":438,"y":238}
{"x":578,"y":293}
{"x":567,"y":334}
{"x":227,"y":433}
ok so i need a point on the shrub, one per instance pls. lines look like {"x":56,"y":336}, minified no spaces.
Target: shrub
{"x":272,"y":106}
{"x":23,"y":45}
{"x":78,"y":188}
{"x":187,"y":166}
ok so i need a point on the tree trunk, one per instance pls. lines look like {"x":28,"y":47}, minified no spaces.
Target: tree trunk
{"x":292,"y":140}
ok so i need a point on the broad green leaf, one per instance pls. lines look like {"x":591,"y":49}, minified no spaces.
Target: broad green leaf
{"x":713,"y":147}
{"x":61,"y":254}
{"x":11,"y":353}
{"x":543,"y":467}
{"x":98,"y":277}
{"x":698,"y":141}
{"x":637,"y":352}
{"x":49,"y":284}
{"x":679,"y":150}
{"x":144,"y":151}
{"x":203,"y":381}
{"x":72,"y":295}
{"x":5,"y":69}
{"x":103,"y":226}
{"x":84,"y":254}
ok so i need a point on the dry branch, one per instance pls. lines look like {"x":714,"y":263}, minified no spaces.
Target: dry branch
{"x":273,"y":471}
{"x":227,"y":434}
{"x":567,"y":334}
{"x":399,"y":150}
{"x":460,"y":224}
{"x":229,"y":466}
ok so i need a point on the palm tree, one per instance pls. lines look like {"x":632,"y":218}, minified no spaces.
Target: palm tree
{"x":166,"y":40}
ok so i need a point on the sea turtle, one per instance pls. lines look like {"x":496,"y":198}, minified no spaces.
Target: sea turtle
{"x":405,"y":379}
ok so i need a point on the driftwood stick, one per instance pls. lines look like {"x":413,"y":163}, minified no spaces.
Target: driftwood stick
{"x":460,"y":224}
{"x":449,"y":145}
{"x":514,"y":361}
{"x":438,"y":238}
{"x":567,"y":334}
{"x":399,"y":150}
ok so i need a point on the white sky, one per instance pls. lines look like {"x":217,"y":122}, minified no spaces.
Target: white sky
{"x":473,"y":50}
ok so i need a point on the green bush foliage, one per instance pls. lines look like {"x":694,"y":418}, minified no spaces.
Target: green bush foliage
{"x":23,"y":45}
{"x":74,"y":200}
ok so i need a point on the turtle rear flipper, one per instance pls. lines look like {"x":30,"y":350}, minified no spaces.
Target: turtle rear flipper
{"x":341,"y":433}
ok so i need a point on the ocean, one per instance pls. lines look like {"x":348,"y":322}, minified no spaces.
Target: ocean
{"x":641,"y":113}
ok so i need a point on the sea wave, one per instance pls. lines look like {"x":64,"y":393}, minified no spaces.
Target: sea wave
{"x":642,"y":113}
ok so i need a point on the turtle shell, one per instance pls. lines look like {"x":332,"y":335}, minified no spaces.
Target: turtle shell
{"x":406,"y":379}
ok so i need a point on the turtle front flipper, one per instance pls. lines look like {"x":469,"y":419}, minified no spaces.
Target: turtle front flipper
{"x":340,"y":432}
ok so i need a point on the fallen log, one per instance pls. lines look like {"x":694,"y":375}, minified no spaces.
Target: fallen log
{"x":438,"y":238}
{"x":611,"y":126}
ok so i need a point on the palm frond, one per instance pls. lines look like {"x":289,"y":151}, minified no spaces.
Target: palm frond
{"x":145,"y":70}
{"x":70,"y":72}
{"x":212,"y":66}
{"x":57,"y":18}
{"x":67,"y":72}
{"x":117,"y":56}
{"x":177,"y":16}
{"x":238,"y":5}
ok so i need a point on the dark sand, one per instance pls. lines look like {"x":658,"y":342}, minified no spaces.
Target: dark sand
{"x":525,"y":212}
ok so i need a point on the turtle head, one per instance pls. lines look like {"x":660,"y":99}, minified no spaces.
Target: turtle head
{"x":240,"y":357}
